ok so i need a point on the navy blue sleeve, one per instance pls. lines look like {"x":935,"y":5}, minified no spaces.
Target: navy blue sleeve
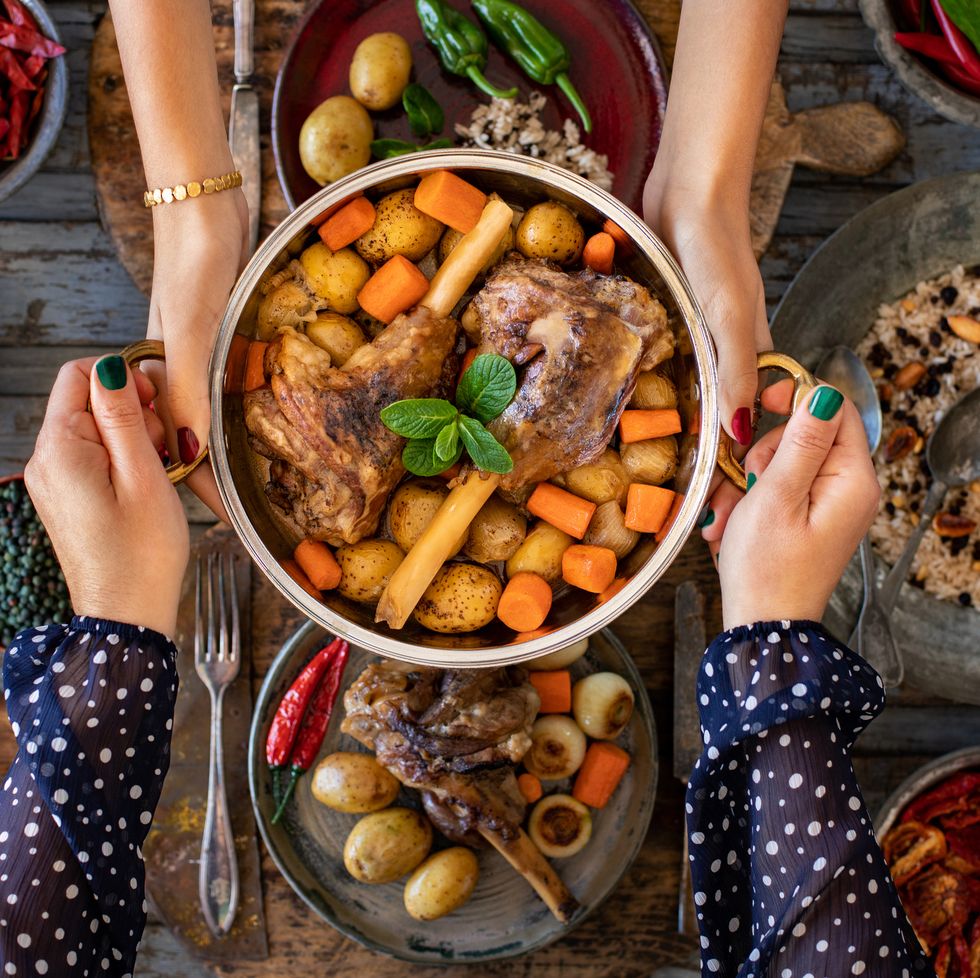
{"x":789,"y":879}
{"x":91,"y":705}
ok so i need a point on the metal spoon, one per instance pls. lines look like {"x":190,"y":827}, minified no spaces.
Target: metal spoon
{"x":953,"y":454}
{"x":872,"y":636}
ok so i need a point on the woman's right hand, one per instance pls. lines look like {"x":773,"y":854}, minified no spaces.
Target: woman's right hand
{"x":813,"y":495}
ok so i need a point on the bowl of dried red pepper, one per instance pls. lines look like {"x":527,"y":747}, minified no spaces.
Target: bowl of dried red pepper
{"x":933,"y":46}
{"x":33,"y":90}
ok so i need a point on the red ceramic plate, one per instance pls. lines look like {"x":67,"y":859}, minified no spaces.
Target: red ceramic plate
{"x":616,"y":66}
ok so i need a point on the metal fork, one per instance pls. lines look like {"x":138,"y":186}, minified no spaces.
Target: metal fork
{"x":217,"y":658}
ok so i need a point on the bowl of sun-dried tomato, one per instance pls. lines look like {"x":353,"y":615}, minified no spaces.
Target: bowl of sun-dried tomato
{"x":33,"y":90}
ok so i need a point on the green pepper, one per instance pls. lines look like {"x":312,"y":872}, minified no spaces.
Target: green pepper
{"x":541,"y":54}
{"x":462,"y":46}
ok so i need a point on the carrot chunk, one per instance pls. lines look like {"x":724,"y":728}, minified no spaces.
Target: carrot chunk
{"x":468,"y":357}
{"x":618,"y":235}
{"x":640,"y":425}
{"x":450,"y":199}
{"x":554,"y":689}
{"x":561,"y":509}
{"x":525,"y":603}
{"x":530,"y":787}
{"x":588,"y":567}
{"x":600,"y":773}
{"x":318,"y":563}
{"x":647,"y":507}
{"x":675,"y":508}
{"x":348,"y":224}
{"x":297,"y":574}
{"x":396,"y":286}
{"x":255,"y":366}
{"x":613,"y":589}
{"x":599,"y":252}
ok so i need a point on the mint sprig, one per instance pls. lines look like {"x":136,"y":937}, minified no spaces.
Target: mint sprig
{"x":437,"y":431}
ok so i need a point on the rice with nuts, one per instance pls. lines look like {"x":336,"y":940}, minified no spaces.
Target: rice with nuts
{"x":921,"y":367}
{"x":515,"y":127}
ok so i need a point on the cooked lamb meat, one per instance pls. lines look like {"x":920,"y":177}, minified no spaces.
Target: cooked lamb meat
{"x":339,"y":462}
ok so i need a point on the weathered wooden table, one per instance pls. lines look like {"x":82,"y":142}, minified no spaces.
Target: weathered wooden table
{"x":63,"y":294}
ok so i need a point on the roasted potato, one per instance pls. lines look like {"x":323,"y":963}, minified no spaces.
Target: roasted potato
{"x":336,"y":334}
{"x":412,"y":508}
{"x":335,"y":139}
{"x":442,"y":884}
{"x":452,"y":237}
{"x":366,"y":568}
{"x":608,"y":529}
{"x":653,"y":390}
{"x":600,"y":481}
{"x":550,"y":230}
{"x":287,"y":305}
{"x":379,"y":70}
{"x":541,"y":552}
{"x":384,"y":846}
{"x":349,"y":782}
{"x":335,"y":276}
{"x":400,"y":228}
{"x":461,"y":598}
{"x":652,"y":461}
{"x":496,"y":532}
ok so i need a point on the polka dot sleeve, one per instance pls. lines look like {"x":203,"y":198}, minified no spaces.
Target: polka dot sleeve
{"x":789,"y":880}
{"x":91,"y":705}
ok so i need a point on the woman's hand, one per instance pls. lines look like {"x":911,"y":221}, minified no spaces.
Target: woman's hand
{"x":813,"y":494}
{"x":100,"y":489}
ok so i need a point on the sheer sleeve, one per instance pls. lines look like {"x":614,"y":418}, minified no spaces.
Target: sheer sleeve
{"x":91,"y":706}
{"x":789,"y":880}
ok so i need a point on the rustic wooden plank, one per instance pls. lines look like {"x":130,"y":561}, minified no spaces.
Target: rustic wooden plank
{"x":827,"y":37}
{"x":54,"y":195}
{"x":32,"y":369}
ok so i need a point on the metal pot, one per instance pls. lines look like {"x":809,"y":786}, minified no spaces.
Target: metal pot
{"x":575,"y":614}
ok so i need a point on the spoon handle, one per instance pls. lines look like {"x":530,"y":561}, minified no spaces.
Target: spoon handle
{"x":872,"y":637}
{"x":888,"y":595}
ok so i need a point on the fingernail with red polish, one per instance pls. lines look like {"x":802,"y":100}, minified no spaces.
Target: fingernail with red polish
{"x":742,"y":426}
{"x":188,"y":445}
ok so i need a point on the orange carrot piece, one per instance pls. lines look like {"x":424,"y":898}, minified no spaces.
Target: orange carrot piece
{"x":530,"y":787}
{"x":588,"y":567}
{"x":530,"y":636}
{"x":640,"y":425}
{"x":562,"y":509}
{"x":318,"y":563}
{"x":525,"y":603}
{"x":296,"y":573}
{"x":613,"y":589}
{"x":618,"y":235}
{"x":451,"y":473}
{"x":255,"y":366}
{"x":675,"y":508}
{"x":234,"y":378}
{"x":599,"y":252}
{"x":450,"y":199}
{"x":554,"y":689}
{"x":468,"y":359}
{"x":396,"y":286}
{"x":647,"y":507}
{"x":348,"y":224}
{"x":600,"y":773}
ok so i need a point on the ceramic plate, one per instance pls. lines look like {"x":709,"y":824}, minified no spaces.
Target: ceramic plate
{"x":616,"y":66}
{"x":914,"y":234}
{"x":504,"y":917}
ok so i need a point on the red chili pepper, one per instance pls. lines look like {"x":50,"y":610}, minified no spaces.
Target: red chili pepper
{"x":28,"y":40}
{"x":314,"y":726}
{"x":17,"y":14}
{"x":960,"y":78}
{"x":959,"y":42}
{"x":929,"y":46}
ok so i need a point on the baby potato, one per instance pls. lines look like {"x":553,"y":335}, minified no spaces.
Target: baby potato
{"x":350,"y":782}
{"x":600,"y":481}
{"x":541,"y":552}
{"x":366,"y":567}
{"x":412,"y":508}
{"x":496,"y":532}
{"x":379,"y":70}
{"x":384,"y":846}
{"x":285,"y":306}
{"x":336,"y":334}
{"x":461,"y":598}
{"x":335,"y":276}
{"x":335,"y":139}
{"x":400,"y":228}
{"x":550,"y":230}
{"x":442,"y":884}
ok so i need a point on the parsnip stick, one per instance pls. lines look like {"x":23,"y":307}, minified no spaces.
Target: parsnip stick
{"x":433,"y":548}
{"x":464,"y":262}
{"x":526,"y":858}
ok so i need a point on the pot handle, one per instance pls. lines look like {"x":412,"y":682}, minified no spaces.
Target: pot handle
{"x":153,"y":350}
{"x":803,"y":383}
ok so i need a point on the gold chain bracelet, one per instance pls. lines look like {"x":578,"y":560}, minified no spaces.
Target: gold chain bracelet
{"x":211,"y":185}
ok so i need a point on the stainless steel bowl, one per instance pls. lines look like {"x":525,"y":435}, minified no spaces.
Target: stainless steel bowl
{"x":575,"y":614}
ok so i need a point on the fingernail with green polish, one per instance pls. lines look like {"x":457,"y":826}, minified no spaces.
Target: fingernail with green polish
{"x":825,"y":403}
{"x":707,"y":517}
{"x":112,"y":372}
{"x":750,"y":480}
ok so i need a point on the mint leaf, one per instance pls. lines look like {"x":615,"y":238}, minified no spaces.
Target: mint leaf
{"x":487,"y":387}
{"x":422,"y":417}
{"x":486,"y":452}
{"x":447,"y":442}
{"x":420,"y":458}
